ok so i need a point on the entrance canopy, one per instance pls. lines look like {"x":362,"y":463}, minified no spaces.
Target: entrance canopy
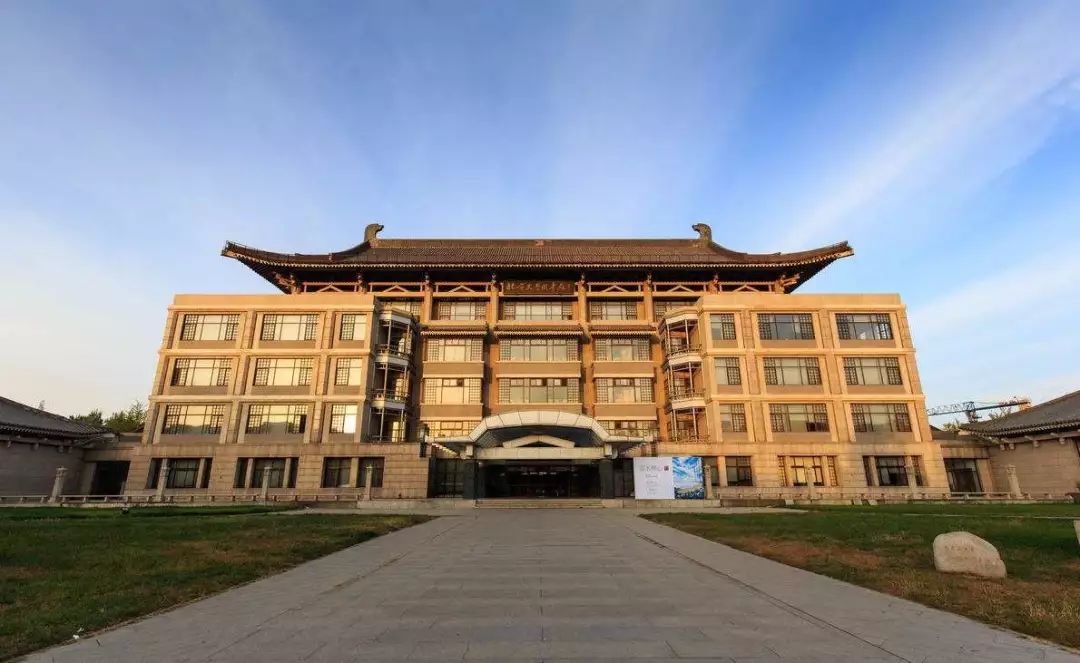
{"x":538,"y":428}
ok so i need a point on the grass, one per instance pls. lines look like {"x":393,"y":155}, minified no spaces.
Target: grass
{"x":62,"y":569}
{"x":885,"y":549}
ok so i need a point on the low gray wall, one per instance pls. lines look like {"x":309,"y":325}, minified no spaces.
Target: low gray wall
{"x":26,"y":470}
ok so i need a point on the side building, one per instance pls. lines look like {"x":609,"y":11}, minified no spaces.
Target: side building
{"x":534,"y":368}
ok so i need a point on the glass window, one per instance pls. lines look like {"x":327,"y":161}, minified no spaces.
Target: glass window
{"x":182,"y":473}
{"x":280,"y":372}
{"x":454,"y":349}
{"x":722,"y":326}
{"x":289,"y":327}
{"x":348,"y":372}
{"x":193,"y":419}
{"x":892,"y":471}
{"x":738,"y":471}
{"x":792,"y":371}
{"x":538,"y":349}
{"x":624,"y":390}
{"x":727,"y":371}
{"x":643,"y":429}
{"x":210,"y":327}
{"x":662,"y":306}
{"x":613,"y":310}
{"x":963,"y":475}
{"x":786,"y":326}
{"x":353,"y":327}
{"x":410,"y":306}
{"x":277,"y":473}
{"x":372,"y":466}
{"x":539,"y":390}
{"x":880,"y":418}
{"x":732,"y":417}
{"x":452,"y":391}
{"x":799,"y":418}
{"x":437,"y":429}
{"x":201,"y":372}
{"x":533,"y":310}
{"x":462,"y":309}
{"x":343,"y":418}
{"x":864,"y":326}
{"x":336,"y":472}
{"x":621,"y":349}
{"x":276,"y":419}
{"x":800,"y":470}
{"x":872,"y":370}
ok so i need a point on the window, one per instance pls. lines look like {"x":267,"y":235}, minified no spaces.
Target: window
{"x":153,"y":476}
{"x":662,"y":306}
{"x":289,"y":327}
{"x":461,"y":310}
{"x":621,"y":349}
{"x":732,"y":417}
{"x":347,"y":372}
{"x":880,"y":418}
{"x":540,"y":390}
{"x":182,"y":473}
{"x":352,"y":327}
{"x":276,"y":419}
{"x":281,"y":473}
{"x":644,"y":429}
{"x":410,"y":306}
{"x":738,"y":471}
{"x":624,"y":390}
{"x":722,"y":326}
{"x":891,"y":470}
{"x":201,"y":373}
{"x":452,"y":391}
{"x":786,"y":326}
{"x":864,"y":326}
{"x":193,"y":419}
{"x":336,"y":472}
{"x":872,"y":370}
{"x":800,"y":470}
{"x":273,"y":372}
{"x":799,"y":418}
{"x":372,"y":466}
{"x":792,"y":371}
{"x":613,"y":310}
{"x":203,"y":327}
{"x":538,"y":349}
{"x":437,"y":429}
{"x":343,"y":418}
{"x":963,"y":475}
{"x":512,"y":310}
{"x":727,"y":371}
{"x":454,"y":349}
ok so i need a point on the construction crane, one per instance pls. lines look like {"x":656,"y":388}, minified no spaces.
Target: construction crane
{"x":971,"y":408}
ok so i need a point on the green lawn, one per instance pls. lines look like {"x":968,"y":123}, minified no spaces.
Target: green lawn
{"x":63,"y":569}
{"x":886,"y":549}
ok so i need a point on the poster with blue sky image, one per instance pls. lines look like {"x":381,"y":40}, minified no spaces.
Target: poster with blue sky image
{"x":689,"y":478}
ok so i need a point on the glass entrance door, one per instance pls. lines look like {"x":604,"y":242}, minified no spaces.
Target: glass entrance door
{"x":541,"y":479}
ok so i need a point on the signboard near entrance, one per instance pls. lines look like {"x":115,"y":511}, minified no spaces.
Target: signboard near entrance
{"x":654,"y":479}
{"x":669,"y":478}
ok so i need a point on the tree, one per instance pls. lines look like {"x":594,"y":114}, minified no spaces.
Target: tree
{"x":93,"y":418}
{"x":953,"y":425}
{"x":127,"y":421}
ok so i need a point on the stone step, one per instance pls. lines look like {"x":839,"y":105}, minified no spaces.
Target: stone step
{"x":539,"y":503}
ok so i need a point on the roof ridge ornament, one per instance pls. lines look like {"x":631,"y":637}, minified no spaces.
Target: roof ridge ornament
{"x":371,"y":230}
{"x":704,"y":233}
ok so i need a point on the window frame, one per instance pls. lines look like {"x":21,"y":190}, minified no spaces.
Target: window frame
{"x":213,"y":415}
{"x":294,"y":416}
{"x":887,"y":369}
{"x":193,"y":326}
{"x":786,"y":327}
{"x":185,"y":369}
{"x":877,"y":326}
{"x":777,"y":370}
{"x":300,"y":372}
{"x":273,"y":325}
{"x":722,"y":327}
{"x":815,"y":417}
{"x":866,"y":418}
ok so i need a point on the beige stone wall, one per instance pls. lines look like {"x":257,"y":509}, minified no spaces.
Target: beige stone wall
{"x":1047,"y":467}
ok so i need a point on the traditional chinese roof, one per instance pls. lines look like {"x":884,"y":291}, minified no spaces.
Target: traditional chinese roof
{"x":1062,"y":413}
{"x":18,"y":420}
{"x":377,"y":253}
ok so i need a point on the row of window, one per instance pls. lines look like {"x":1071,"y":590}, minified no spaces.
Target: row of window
{"x":304,"y":326}
{"x":181,"y":473}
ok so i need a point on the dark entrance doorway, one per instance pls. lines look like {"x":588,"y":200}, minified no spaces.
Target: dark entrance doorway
{"x":540,"y":479}
{"x":109,"y":477}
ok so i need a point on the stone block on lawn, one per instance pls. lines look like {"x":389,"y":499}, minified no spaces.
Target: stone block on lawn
{"x":963,"y":552}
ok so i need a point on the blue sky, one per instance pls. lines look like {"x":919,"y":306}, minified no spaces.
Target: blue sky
{"x":940,"y":139}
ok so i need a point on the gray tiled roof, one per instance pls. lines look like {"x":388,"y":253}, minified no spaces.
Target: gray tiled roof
{"x":19,"y":419}
{"x":1058,"y":414}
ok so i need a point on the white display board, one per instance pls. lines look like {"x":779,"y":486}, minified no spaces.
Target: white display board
{"x":654,"y":479}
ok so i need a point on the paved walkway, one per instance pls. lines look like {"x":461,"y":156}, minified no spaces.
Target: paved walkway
{"x":550,"y":585}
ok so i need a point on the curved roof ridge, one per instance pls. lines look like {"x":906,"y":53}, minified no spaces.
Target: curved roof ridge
{"x":1033,"y":417}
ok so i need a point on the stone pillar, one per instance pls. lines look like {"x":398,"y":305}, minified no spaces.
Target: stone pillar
{"x":811,"y":484}
{"x":368,"y":477}
{"x":163,"y":476}
{"x":354,"y":472}
{"x":249,"y":474}
{"x":909,"y":470}
{"x":708,"y":482}
{"x":58,"y":484}
{"x":200,"y":476}
{"x":264,"y":492}
{"x":872,"y":463}
{"x":607,"y":479}
{"x":1014,"y":482}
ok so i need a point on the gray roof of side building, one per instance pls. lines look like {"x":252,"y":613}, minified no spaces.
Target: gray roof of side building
{"x":18,"y":420}
{"x":1060,"y":413}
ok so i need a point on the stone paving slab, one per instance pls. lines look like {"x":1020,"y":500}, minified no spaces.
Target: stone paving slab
{"x":550,"y":585}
